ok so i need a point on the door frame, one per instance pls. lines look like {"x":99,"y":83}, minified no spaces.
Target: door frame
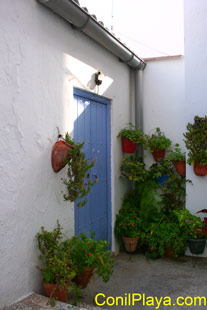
{"x":103,"y":100}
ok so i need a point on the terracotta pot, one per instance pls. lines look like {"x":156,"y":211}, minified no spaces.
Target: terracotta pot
{"x":60,"y":154}
{"x":200,"y":170}
{"x":130,"y":244}
{"x":128,"y":146}
{"x":180,"y":167}
{"x":51,"y":290}
{"x":83,"y":278}
{"x":158,"y":154}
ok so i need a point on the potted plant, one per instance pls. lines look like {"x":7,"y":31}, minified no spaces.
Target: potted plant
{"x":178,"y":159}
{"x":158,"y":144}
{"x":196,"y":142}
{"x":133,"y":169}
{"x":196,"y":229}
{"x":128,"y":228}
{"x":130,"y":137}
{"x":56,"y":265}
{"x":78,"y":181}
{"x":89,"y":256}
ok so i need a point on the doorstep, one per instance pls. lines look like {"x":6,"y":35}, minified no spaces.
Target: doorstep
{"x":39,"y":302}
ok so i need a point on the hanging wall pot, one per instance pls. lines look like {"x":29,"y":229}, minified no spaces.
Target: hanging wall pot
{"x":180,"y":167}
{"x":128,"y":146}
{"x":200,"y":170}
{"x":60,"y":154}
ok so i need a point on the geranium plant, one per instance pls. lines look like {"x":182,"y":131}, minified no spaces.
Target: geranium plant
{"x":131,"y":133}
{"x":78,"y":182}
{"x":176,"y":154}
{"x":88,"y":252}
{"x":158,"y":140}
{"x":127,"y":225}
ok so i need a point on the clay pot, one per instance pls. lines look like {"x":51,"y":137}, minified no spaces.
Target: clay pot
{"x":55,"y":291}
{"x":60,"y":154}
{"x":130,"y":244}
{"x":158,"y":154}
{"x":180,"y":167}
{"x":128,"y":146}
{"x":83,"y":278}
{"x":200,"y":170}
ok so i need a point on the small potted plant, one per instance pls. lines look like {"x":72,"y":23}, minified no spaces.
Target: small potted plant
{"x":158,"y":143}
{"x":89,"y":256}
{"x":130,"y":137}
{"x":196,"y":142}
{"x":196,"y":229}
{"x":128,"y":228}
{"x":56,"y":265}
{"x":178,"y":159}
{"x":133,"y":169}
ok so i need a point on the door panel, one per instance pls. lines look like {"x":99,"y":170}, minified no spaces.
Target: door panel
{"x":93,"y":126}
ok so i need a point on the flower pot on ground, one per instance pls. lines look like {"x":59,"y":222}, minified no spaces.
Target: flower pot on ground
{"x":130,"y":137}
{"x":128,"y":228}
{"x":130,"y":244}
{"x":56,"y":265}
{"x":196,"y":143}
{"x":197,"y":246}
{"x":200,"y":170}
{"x":178,"y":158}
{"x":55,"y":291}
{"x":157,"y":144}
{"x":89,"y":256}
{"x":84,"y":277}
{"x":60,"y":155}
{"x":196,"y":228}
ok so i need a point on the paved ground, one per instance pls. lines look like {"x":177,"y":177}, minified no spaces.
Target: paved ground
{"x":135,"y":274}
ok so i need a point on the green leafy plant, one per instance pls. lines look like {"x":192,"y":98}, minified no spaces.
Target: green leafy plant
{"x":78,"y":182}
{"x":133,"y":169}
{"x":88,"y":252}
{"x":166,"y":236}
{"x":56,"y":264}
{"x":176,"y":154}
{"x":191,"y":223}
{"x":134,"y":135}
{"x":157,"y":140}
{"x":172,"y":189}
{"x":196,"y":140}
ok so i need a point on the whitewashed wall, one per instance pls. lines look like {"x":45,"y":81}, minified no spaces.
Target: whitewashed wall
{"x":195,"y":12}
{"x":41,"y":59}
{"x":163,"y":99}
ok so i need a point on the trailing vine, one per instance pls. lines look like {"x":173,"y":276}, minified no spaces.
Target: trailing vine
{"x":78,"y":182}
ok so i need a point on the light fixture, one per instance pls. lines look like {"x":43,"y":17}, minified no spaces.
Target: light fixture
{"x":99,"y":78}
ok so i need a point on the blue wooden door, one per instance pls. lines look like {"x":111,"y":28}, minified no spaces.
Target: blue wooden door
{"x":92,"y":124}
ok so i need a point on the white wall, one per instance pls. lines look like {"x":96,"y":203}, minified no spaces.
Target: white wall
{"x":163,"y":99}
{"x":195,"y":13}
{"x":41,"y":59}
